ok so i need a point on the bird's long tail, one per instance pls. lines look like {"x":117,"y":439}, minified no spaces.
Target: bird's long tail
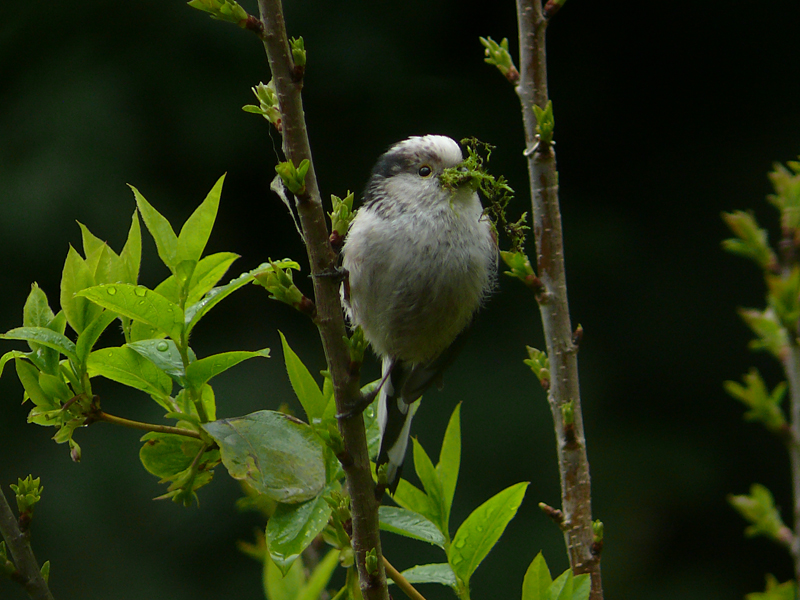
{"x":394,"y":416}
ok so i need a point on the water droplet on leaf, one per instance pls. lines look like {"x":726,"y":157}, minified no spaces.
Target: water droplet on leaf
{"x":162,"y":346}
{"x":140,"y":291}
{"x":111,"y":291}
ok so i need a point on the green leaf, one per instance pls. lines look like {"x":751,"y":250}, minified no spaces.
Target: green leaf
{"x":759,"y":509}
{"x":75,"y":277}
{"x":89,"y":336}
{"x":11,"y":354}
{"x":581,"y":587}
{"x":91,"y":243}
{"x":29,"y":378}
{"x":751,"y":241}
{"x":45,"y":337}
{"x":292,"y":527}
{"x":205,"y":276}
{"x":209,"y":402}
{"x":764,"y":406}
{"x":278,"y":586}
{"x":36,"y":312}
{"x":208,"y":273}
{"x":125,"y":366}
{"x":450,"y":462}
{"x":196,"y":230}
{"x":277,"y":455}
{"x":410,"y":524}
{"x":775,"y":591}
{"x":160,"y":229}
{"x":303,"y":384}
{"x":433,"y":487}
{"x":561,"y":588}
{"x":320,"y":576}
{"x":165,"y":454}
{"x":163,"y":354}
{"x":436,"y":573}
{"x":201,"y":371}
{"x":537,"y":580}
{"x":481,"y":530}
{"x":54,"y":387}
{"x":198,"y":310}
{"x":139,"y":303}
{"x":131,"y":254}
{"x":412,"y":498}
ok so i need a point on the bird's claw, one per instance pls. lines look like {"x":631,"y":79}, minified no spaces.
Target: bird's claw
{"x":356,"y":408}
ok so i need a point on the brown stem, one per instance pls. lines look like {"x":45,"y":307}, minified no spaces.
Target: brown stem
{"x":401,"y":582}
{"x":791,"y":365}
{"x":19,"y":544}
{"x":553,"y":304}
{"x":329,"y":319}
{"x":99,"y":415}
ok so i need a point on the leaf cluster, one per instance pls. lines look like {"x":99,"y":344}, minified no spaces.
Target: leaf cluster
{"x":100,"y":287}
{"x":776,"y":331}
{"x":759,"y":509}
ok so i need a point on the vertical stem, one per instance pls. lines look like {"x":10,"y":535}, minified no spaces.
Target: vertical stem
{"x":791,"y":366}
{"x":330,"y":319}
{"x":554,"y":307}
{"x":20,"y":547}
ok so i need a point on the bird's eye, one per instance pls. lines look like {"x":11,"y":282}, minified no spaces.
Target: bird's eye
{"x":425,"y":171}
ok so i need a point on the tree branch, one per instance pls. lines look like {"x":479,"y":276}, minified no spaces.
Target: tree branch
{"x":330,"y":320}
{"x":561,"y":350}
{"x":99,"y":415}
{"x":403,"y":583}
{"x":791,"y":366}
{"x":19,"y":544}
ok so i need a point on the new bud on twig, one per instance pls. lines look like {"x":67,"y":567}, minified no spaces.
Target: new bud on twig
{"x":276,"y":278}
{"x":357,"y":346}
{"x":341,"y":217}
{"x":597,"y":541}
{"x":28,"y":492}
{"x":577,"y":336}
{"x":268,"y":104}
{"x":222,"y":10}
{"x":759,"y":509}
{"x":521,"y":269}
{"x":764,"y":406}
{"x":750,"y":241}
{"x":294,"y":178}
{"x":298,"y":57}
{"x":552,"y":7}
{"x":499,"y":56}
{"x":540,"y":365}
{"x":371,"y":561}
{"x":545,"y":124}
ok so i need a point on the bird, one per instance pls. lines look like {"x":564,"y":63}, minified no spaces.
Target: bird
{"x":421,"y":259}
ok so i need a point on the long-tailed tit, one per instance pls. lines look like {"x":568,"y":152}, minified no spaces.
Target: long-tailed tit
{"x":421,"y":259}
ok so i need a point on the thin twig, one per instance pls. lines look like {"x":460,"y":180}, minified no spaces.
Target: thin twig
{"x":791,"y":366}
{"x":554,"y":308}
{"x":99,"y":415}
{"x":401,"y":581}
{"x":19,"y":544}
{"x":330,"y":320}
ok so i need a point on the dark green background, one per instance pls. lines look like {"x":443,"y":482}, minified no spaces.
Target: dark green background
{"x":665,"y":117}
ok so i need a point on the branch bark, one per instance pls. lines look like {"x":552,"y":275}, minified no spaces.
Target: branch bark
{"x":330,"y":319}
{"x":554,"y":307}
{"x":791,"y":366}
{"x":19,"y":544}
